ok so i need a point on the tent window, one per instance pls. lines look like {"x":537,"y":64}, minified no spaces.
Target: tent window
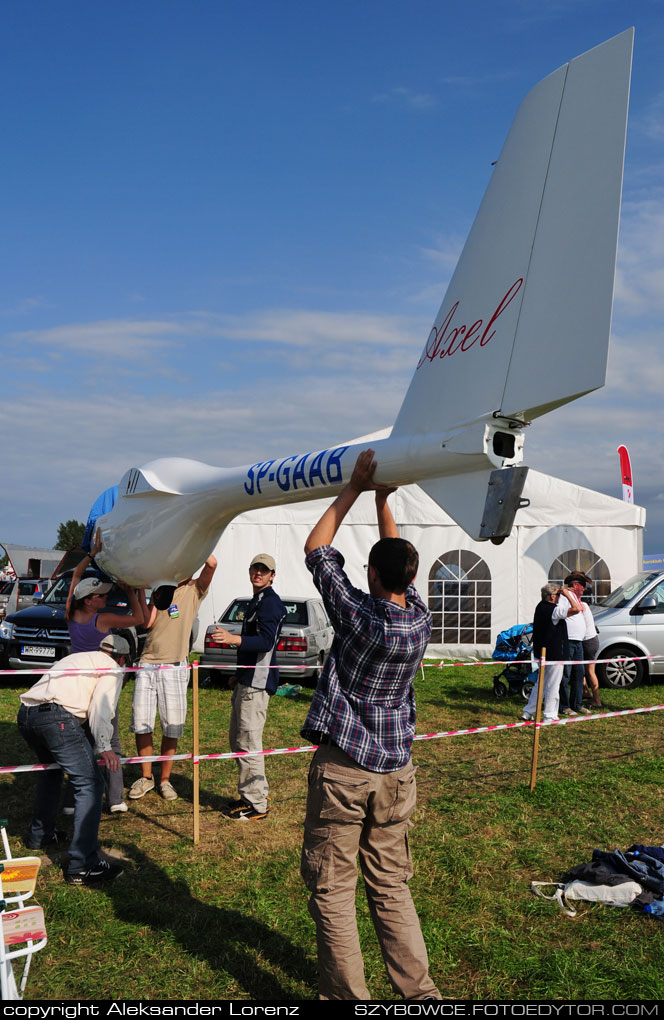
{"x":588,"y":562}
{"x":460,"y":599}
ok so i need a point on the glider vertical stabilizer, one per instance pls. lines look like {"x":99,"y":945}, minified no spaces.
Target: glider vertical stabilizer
{"x":524,"y":326}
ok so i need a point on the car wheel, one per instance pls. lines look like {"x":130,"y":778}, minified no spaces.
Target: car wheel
{"x":621,"y":676}
{"x":499,"y":689}
{"x":527,"y":689}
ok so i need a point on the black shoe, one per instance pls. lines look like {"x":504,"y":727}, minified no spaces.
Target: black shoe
{"x":58,"y":838}
{"x":247,"y":814}
{"x":103,"y":871}
{"x":235,"y":805}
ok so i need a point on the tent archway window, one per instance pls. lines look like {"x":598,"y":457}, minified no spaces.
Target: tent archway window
{"x":589,"y":563}
{"x":460,"y":599}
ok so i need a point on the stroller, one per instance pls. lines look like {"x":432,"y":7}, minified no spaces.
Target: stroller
{"x":513,"y":644}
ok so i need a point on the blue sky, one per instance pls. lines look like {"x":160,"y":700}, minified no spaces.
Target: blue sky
{"x":228,"y":227}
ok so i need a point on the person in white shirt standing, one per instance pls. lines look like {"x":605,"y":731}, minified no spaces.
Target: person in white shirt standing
{"x":571,"y":685}
{"x":79,"y":689}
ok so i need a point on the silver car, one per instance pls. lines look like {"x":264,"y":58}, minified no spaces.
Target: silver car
{"x":306,"y":638}
{"x":630,"y":622}
{"x":29,"y":590}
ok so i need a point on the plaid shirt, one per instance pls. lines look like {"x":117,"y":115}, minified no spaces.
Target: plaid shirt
{"x":365,"y":699}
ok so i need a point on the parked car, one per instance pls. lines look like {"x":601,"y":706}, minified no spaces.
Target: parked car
{"x":630,"y":622}
{"x":29,"y":589}
{"x":306,"y":638}
{"x":38,"y":635}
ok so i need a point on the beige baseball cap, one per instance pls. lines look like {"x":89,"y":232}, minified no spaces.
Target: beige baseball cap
{"x":91,"y":586}
{"x":264,"y":558}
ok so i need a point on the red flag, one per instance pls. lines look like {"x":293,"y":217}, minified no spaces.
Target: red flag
{"x":626,"y":475}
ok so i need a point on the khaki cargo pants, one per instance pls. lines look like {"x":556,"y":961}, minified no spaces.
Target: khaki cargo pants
{"x":349,"y":811}
{"x":248,"y":711}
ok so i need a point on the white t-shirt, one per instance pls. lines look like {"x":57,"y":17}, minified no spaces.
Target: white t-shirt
{"x":576,"y":625}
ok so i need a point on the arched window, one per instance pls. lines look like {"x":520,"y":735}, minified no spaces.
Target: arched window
{"x":589,"y":563}
{"x":460,"y":599}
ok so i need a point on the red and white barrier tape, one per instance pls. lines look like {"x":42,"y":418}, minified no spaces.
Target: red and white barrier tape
{"x":286,"y":666}
{"x":219,"y":756}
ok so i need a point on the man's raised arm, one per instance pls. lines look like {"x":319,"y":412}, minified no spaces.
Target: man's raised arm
{"x":361,"y":480}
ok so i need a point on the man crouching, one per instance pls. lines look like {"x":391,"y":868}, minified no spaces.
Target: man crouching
{"x":362,"y":780}
{"x":81,"y":688}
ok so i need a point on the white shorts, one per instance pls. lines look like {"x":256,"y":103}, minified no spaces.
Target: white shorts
{"x":160,"y":687}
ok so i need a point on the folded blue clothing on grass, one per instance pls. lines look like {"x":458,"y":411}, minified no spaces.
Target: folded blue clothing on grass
{"x":653,"y":851}
{"x":646,"y":870}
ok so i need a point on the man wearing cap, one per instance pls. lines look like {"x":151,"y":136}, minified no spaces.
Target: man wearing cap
{"x":52,"y":719}
{"x":256,"y":681}
{"x":163,"y":676}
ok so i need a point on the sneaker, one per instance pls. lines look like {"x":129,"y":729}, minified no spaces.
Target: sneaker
{"x":116,"y":808}
{"x":141,"y":787}
{"x":102,"y":871}
{"x":68,"y":810}
{"x":568,"y":711}
{"x":167,"y":791}
{"x":527,"y":717}
{"x":247,"y":814}
{"x":584,"y":711}
{"x":234,"y":806}
{"x":57,"y":838}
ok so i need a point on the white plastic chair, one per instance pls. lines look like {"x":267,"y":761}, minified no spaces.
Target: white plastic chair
{"x":23,"y":928}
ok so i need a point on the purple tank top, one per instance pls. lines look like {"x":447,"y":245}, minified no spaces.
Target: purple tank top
{"x":84,"y":636}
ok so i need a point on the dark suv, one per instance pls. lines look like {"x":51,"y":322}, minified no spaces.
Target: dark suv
{"x":38,"y":636}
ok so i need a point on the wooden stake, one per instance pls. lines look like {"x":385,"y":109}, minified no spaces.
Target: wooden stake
{"x":538,"y":718}
{"x":197,"y":819}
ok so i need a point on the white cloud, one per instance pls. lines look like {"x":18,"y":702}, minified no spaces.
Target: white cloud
{"x":25,"y":306}
{"x":408,"y":98}
{"x":640,"y":273}
{"x":651,"y":121}
{"x":315,"y":330}
{"x":112,"y":338}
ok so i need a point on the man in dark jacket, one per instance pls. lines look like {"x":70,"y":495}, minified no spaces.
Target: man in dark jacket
{"x":257,"y":679}
{"x":549,"y":634}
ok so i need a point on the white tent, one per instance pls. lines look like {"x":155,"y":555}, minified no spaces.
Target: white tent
{"x":474,"y":589}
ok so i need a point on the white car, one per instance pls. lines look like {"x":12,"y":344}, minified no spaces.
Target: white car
{"x":630,"y":622}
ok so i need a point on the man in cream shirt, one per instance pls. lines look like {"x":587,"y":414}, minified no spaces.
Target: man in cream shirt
{"x":79,"y":689}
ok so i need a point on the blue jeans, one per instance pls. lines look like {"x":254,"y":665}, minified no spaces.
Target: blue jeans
{"x":572,"y":675}
{"x":55,"y":735}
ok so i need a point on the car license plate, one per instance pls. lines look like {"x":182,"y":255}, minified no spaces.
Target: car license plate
{"x":41,"y":650}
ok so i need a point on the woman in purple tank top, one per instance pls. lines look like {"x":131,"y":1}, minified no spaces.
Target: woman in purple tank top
{"x":88,"y":624}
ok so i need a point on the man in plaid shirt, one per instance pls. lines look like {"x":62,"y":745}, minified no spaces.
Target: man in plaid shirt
{"x":362,"y":780}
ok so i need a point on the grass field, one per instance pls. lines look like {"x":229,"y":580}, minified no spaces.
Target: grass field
{"x":228,"y":919}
